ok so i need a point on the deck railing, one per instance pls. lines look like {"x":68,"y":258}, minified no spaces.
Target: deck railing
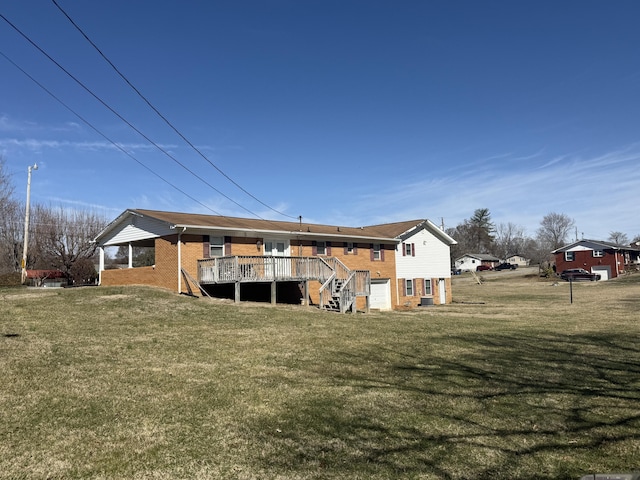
{"x":356,"y":285}
{"x":259,"y":268}
{"x":335,"y":277}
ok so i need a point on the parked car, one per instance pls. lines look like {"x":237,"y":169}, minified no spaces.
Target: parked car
{"x":456,"y":271}
{"x":481,"y":268}
{"x":579,"y":274}
{"x":506,"y":266}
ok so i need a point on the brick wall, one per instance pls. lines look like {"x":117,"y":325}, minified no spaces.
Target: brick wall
{"x":419,"y":292}
{"x":585,"y":259}
{"x":359,"y":259}
{"x":165,"y":272}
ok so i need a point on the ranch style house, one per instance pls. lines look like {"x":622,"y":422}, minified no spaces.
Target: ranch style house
{"x":340,"y":268}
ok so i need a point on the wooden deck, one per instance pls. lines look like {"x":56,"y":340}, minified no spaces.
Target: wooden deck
{"x":339,"y":285}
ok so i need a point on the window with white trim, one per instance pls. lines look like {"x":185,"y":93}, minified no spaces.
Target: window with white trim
{"x":569,"y":256}
{"x":216,"y":246}
{"x":409,"y":288}
{"x":407,"y":249}
{"x":598,"y":253}
{"x":321,"y":248}
{"x":427,"y":286}
{"x":350,"y":248}
{"x":376,"y":251}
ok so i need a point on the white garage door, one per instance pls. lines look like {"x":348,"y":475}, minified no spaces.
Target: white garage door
{"x":380,"y":294}
{"x":605,"y":272}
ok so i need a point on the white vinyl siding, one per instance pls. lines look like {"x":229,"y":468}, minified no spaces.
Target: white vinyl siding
{"x":138,"y":228}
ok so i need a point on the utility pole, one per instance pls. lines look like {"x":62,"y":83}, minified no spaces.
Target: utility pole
{"x":26,"y":224}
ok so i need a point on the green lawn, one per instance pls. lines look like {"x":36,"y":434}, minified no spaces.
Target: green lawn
{"x":509,"y":382}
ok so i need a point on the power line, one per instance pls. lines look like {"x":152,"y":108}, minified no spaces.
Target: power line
{"x":90,"y":92}
{"x":95,"y":129}
{"x":162,"y":116}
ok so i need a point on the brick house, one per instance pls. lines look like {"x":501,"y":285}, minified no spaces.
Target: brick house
{"x":333,"y":267}
{"x":606,"y":258}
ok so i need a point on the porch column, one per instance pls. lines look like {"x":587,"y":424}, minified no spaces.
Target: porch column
{"x":237,"y":292}
{"x":273,"y":293}
{"x":100,"y":265}
{"x":130,"y":255}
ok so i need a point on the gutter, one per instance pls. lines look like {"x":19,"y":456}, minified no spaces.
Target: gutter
{"x":180,"y":260}
{"x":290,"y":232}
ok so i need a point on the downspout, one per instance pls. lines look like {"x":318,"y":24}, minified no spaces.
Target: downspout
{"x":616,"y":260}
{"x":180,"y":260}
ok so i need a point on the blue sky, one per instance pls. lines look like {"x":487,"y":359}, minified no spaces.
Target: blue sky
{"x":344,"y":112}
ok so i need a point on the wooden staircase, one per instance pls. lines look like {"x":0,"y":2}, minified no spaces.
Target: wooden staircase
{"x":333,"y":304}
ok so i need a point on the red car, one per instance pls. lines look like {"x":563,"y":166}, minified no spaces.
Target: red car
{"x":481,"y":268}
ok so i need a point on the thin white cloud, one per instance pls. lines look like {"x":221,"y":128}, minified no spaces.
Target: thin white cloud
{"x":599,"y":192}
{"x":38,"y":145}
{"x":84,"y":205}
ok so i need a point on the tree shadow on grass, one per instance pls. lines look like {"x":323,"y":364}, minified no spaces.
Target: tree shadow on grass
{"x":502,"y":406}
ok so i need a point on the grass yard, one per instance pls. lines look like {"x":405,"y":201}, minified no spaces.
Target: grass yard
{"x":509,"y":382}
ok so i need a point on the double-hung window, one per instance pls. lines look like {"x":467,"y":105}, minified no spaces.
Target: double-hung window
{"x":569,"y":256}
{"x":376,"y":251}
{"x":427,"y":286}
{"x":598,"y":253}
{"x":408,"y":249}
{"x":321,"y":248}
{"x":216,"y":246}
{"x":409,"y":288}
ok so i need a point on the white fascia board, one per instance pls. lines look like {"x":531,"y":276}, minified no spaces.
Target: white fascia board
{"x":430,"y":227}
{"x":289,"y":234}
{"x":115,"y":224}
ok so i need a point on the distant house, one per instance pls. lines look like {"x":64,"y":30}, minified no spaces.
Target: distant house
{"x":606,"y":258}
{"x":517,"y":260}
{"x":471,"y":261}
{"x":46,"y":278}
{"x":336,"y":267}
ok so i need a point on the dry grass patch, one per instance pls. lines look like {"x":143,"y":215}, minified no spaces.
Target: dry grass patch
{"x":138,"y":383}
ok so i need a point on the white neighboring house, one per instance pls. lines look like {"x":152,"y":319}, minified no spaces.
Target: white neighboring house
{"x":423,"y":265}
{"x":517,"y":260}
{"x":470,"y":261}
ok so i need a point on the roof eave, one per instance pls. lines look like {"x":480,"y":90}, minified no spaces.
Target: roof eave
{"x":289,"y":232}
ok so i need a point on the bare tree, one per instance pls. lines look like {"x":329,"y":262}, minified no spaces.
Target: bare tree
{"x":618,"y":238}
{"x":554,"y":230}
{"x":510,"y":239}
{"x":64,"y":238}
{"x":10,"y":224}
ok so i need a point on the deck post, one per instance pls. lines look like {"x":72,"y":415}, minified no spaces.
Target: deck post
{"x":273,"y":292}
{"x":305,"y":292}
{"x":237,"y":292}
{"x":367,"y":304}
